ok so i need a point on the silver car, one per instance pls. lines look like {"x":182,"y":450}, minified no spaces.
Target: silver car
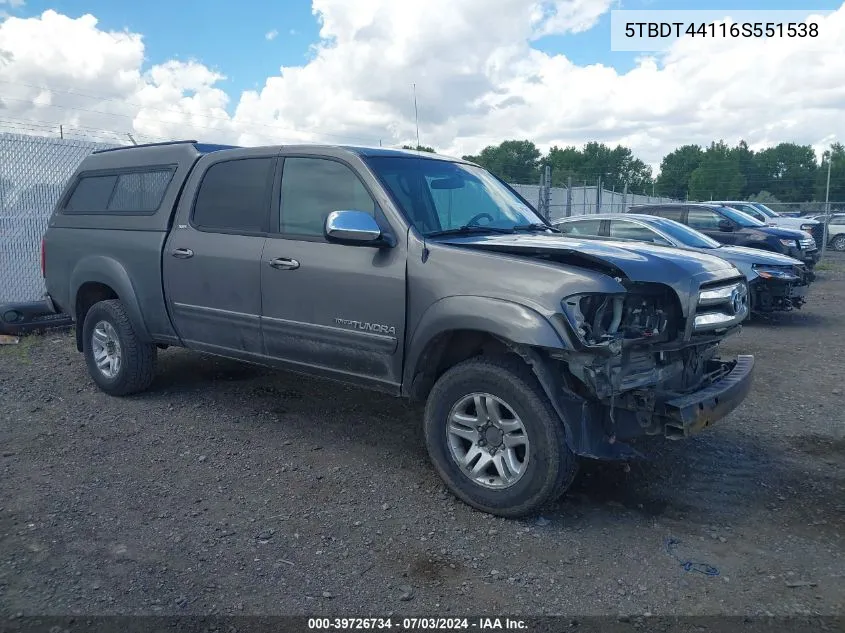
{"x":776,"y":282}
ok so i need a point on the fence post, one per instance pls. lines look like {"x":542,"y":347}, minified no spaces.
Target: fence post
{"x":569,"y":197}
{"x":598,"y":196}
{"x":547,"y":192}
{"x":624,"y":197}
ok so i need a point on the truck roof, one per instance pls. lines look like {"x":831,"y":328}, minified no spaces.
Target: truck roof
{"x":180,"y":149}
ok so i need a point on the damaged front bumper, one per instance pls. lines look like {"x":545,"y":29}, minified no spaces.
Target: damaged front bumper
{"x":773,"y":295}
{"x":601,"y":428}
{"x":692,"y":413}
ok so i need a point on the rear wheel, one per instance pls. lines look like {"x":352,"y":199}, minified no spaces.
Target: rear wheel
{"x":838,"y":242}
{"x":117,"y":360}
{"x":495,"y":439}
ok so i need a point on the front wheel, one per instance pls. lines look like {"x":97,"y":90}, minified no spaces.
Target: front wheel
{"x":495,"y":439}
{"x":117,"y":360}
{"x":838,"y":243}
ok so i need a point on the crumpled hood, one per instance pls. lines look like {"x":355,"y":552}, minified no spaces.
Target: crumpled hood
{"x":636,"y":260}
{"x":754,"y":256}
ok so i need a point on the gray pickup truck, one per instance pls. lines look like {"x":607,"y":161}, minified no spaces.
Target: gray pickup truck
{"x":410,"y":273}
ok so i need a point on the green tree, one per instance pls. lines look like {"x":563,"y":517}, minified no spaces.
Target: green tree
{"x":513,"y":161}
{"x":764,"y":197}
{"x":836,"y":157}
{"x":788,"y":171}
{"x":676,"y":169}
{"x":615,"y":167}
{"x":748,"y":168}
{"x":718,"y":176}
{"x":566,"y":163}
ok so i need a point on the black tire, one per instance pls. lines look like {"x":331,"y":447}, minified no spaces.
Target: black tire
{"x":551,"y":467}
{"x":137,"y":359}
{"x":838,"y":242}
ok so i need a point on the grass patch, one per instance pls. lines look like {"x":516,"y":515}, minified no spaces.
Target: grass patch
{"x":20,"y":352}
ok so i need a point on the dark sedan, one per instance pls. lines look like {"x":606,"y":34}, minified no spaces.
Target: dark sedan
{"x":735,"y":228}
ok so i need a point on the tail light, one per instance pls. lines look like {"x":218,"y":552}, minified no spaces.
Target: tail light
{"x":43,"y":259}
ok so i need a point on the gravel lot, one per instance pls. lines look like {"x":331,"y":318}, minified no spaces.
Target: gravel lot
{"x":236,"y":490}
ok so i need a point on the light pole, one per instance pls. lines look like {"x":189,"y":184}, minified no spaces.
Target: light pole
{"x":826,"y":204}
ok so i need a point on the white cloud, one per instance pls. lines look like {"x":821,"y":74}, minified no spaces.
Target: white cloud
{"x":478,"y":81}
{"x":271,"y":35}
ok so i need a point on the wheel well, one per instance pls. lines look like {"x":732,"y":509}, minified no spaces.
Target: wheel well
{"x":446,"y":350}
{"x":88,"y":294}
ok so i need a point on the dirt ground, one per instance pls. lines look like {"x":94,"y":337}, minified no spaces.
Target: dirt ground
{"x":230,"y":489}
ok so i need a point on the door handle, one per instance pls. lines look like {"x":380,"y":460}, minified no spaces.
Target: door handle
{"x":182,"y":253}
{"x":284,"y":263}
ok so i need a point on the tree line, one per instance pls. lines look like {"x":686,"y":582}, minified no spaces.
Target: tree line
{"x":786,"y":172}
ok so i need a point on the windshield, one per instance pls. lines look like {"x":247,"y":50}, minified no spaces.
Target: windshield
{"x":740,"y":218}
{"x":685,"y":235}
{"x":438,"y":195}
{"x":762,"y":208}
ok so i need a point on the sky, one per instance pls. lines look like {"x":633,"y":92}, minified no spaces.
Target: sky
{"x":345,"y":71}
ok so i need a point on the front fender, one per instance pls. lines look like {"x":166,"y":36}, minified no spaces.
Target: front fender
{"x":505,"y":319}
{"x":107,"y":271}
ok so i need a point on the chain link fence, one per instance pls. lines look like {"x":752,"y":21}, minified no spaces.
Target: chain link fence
{"x":565,"y":202}
{"x":33,"y":172}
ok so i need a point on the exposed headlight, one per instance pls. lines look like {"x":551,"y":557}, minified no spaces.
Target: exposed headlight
{"x":602,"y":319}
{"x":790,"y":243}
{"x":771,"y":272}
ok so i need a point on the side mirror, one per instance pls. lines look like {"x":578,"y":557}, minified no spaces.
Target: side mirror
{"x":355,"y":228}
{"x":726,"y":225}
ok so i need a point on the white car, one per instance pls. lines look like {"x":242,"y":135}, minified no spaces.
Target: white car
{"x":835,"y":230}
{"x":773,"y":218}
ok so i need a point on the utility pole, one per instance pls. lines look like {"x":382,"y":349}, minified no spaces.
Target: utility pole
{"x":826,"y":204}
{"x":416,"y":116}
{"x":61,"y":132}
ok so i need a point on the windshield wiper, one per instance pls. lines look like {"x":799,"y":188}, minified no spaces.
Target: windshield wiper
{"x":536,"y":226}
{"x":468,"y":229}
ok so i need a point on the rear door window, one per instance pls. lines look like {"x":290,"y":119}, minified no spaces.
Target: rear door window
{"x":704,"y":219}
{"x":632,"y":231}
{"x":581,"y":227}
{"x":234,"y":196}
{"x":670,"y":213}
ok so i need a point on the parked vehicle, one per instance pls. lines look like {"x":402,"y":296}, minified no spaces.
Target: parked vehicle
{"x":761,"y":212}
{"x":414,"y":274}
{"x":775,"y":282}
{"x":735,"y":228}
{"x":835,"y":230}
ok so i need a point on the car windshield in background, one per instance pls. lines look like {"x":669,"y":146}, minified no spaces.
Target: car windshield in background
{"x":762,"y":208}
{"x":438,"y":195}
{"x":685,"y":235}
{"x":741,"y":218}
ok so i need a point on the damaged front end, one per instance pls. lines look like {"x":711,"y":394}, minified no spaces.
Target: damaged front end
{"x":647,"y":365}
{"x":779,"y":288}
